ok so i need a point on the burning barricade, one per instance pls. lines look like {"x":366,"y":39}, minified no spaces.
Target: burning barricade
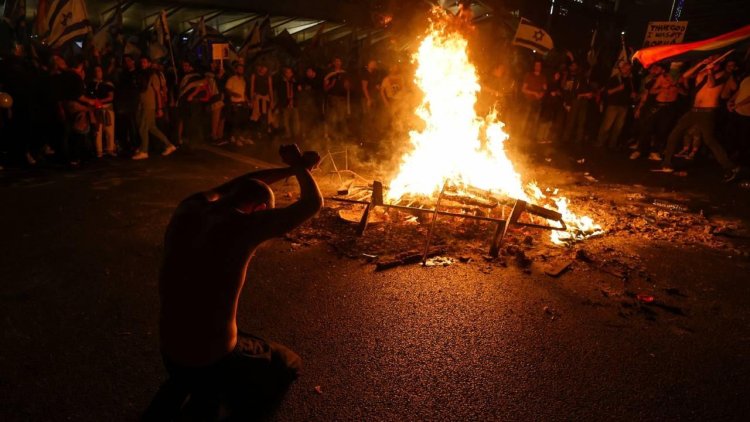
{"x":457,"y":165}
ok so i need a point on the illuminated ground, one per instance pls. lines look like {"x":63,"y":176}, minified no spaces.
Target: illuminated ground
{"x":476,"y":341}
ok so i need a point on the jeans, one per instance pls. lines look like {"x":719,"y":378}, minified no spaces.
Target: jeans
{"x":290,"y":119}
{"x":576,"y":121}
{"x":529,"y":117}
{"x":612,"y":123}
{"x":336,"y":114}
{"x":704,"y":120}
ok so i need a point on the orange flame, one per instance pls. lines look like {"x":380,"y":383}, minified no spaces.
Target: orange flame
{"x":456,"y":145}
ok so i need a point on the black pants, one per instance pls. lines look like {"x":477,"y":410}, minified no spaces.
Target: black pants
{"x":655,"y":126}
{"x":126,"y":131}
{"x":75,"y":146}
{"x":252,"y":374}
{"x":704,"y":119}
{"x":238,"y":117}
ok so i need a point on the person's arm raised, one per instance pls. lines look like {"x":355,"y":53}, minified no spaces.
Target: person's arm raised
{"x":276,"y":222}
{"x":290,"y":155}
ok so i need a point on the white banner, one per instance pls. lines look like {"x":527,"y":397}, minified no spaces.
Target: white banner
{"x":664,"y":33}
{"x":220,"y":51}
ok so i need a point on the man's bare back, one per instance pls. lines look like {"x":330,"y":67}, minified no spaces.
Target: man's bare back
{"x":208,"y":245}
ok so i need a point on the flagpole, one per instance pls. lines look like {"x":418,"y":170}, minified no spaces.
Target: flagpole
{"x":168,"y":36}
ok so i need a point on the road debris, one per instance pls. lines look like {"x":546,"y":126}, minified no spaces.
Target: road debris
{"x":672,"y":206}
{"x":439,"y":261}
{"x":590,"y":178}
{"x":552,"y":313}
{"x":558,"y":269}
{"x":406,"y":259}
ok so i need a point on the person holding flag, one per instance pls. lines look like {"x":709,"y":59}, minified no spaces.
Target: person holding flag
{"x":709,"y":82}
{"x":621,"y":93}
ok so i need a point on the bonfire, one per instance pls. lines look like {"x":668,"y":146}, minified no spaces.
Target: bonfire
{"x":458,"y":148}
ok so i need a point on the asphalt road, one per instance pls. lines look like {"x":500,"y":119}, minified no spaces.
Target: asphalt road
{"x":78,"y":307}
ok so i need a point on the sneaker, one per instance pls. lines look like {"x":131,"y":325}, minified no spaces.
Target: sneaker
{"x":635,"y":155}
{"x":731,"y":175}
{"x":140,"y":156}
{"x":99,"y":154}
{"x":654,"y":156}
{"x":170,"y":149}
{"x":633,"y":145}
{"x":111,"y":153}
{"x":30,"y":159}
{"x":664,"y":170}
{"x":47,"y":150}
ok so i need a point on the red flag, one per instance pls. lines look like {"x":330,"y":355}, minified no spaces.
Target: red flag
{"x":693,"y":50}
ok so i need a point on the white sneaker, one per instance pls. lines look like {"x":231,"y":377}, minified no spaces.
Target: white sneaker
{"x":654,"y":156}
{"x":170,"y":149}
{"x":634,"y":155}
{"x":140,"y":156}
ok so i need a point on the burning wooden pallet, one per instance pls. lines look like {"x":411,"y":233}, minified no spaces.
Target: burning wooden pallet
{"x":472,"y":199}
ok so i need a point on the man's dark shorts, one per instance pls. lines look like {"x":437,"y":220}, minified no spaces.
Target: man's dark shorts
{"x":255,"y":366}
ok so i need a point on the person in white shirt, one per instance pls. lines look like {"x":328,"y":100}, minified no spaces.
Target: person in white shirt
{"x":238,"y":112}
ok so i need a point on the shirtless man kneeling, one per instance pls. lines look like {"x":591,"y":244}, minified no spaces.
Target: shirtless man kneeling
{"x":209,"y":243}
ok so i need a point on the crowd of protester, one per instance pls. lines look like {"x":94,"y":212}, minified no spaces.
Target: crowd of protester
{"x":89,"y":107}
{"x":666,"y":112}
